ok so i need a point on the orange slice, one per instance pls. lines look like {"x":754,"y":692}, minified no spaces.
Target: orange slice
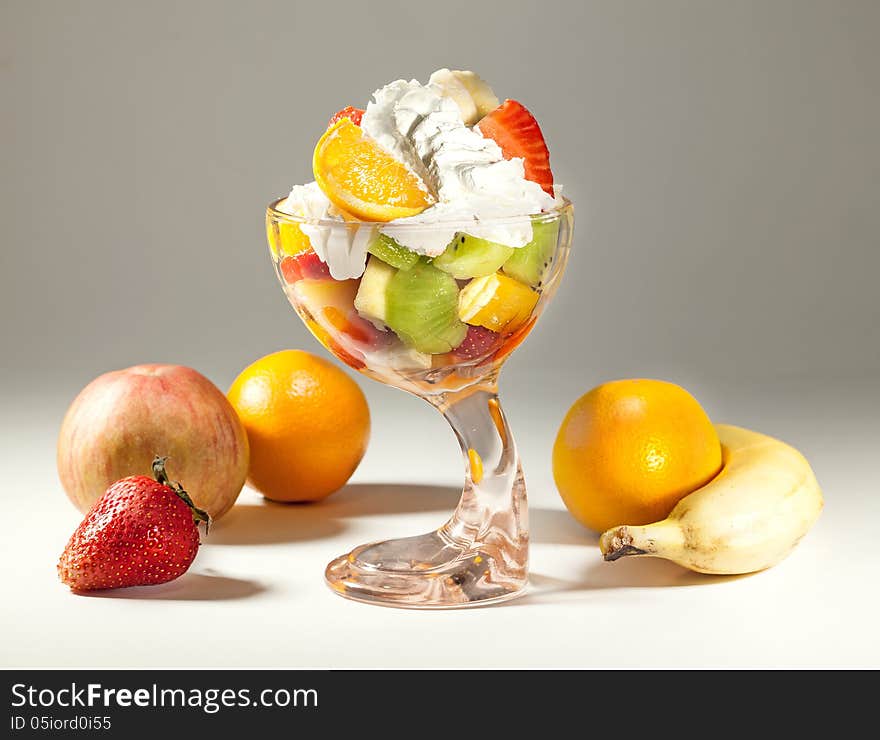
{"x":497,"y":302}
{"x":362,"y":179}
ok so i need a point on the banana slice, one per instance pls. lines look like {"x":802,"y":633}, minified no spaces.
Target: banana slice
{"x":748,"y":518}
{"x":484,"y":98}
{"x":446,"y":80}
{"x":471,"y":93}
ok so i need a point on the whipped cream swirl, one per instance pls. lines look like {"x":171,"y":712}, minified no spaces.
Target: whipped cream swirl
{"x":464,"y":172}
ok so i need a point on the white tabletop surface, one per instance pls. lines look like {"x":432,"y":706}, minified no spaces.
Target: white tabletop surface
{"x":255,"y":596}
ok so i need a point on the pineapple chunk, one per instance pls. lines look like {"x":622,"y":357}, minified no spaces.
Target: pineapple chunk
{"x":371,"y":300}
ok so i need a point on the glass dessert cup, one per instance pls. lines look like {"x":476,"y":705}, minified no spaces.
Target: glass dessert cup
{"x":480,"y":555}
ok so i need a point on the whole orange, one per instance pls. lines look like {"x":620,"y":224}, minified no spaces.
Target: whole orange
{"x":629,"y":450}
{"x":307,"y":423}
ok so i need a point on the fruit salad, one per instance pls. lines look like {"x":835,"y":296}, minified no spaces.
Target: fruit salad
{"x":430,"y":234}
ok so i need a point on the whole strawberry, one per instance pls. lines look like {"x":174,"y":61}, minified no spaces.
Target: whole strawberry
{"x":139,"y":533}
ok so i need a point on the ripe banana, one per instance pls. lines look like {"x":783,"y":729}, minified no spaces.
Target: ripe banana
{"x":471,"y":93}
{"x":749,"y":517}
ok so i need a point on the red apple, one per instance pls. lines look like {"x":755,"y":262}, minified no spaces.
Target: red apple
{"x":122,"y":419}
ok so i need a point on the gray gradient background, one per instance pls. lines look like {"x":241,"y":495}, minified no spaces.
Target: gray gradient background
{"x":723,"y":159}
{"x":724,"y":162}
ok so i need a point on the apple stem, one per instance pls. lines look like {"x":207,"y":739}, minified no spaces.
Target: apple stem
{"x":162,"y":477}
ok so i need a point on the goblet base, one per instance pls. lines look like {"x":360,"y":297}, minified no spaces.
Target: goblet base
{"x":430,"y":571}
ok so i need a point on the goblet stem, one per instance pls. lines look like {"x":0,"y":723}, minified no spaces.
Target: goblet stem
{"x":481,"y":554}
{"x":493,"y":511}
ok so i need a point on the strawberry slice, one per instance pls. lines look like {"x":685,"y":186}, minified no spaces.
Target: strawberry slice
{"x":305,"y":265}
{"x":516,"y":131}
{"x":478,"y":342}
{"x":352,"y":114}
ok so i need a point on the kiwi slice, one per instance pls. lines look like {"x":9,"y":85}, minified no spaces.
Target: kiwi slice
{"x":531,"y":263}
{"x":422,"y":309}
{"x":469,"y":256}
{"x":392,"y":253}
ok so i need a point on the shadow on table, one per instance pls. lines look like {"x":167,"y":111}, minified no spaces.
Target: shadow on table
{"x":267,"y":522}
{"x":270,"y":522}
{"x":206,"y":586}
{"x":368,"y":499}
{"x":626,"y":573}
{"x":558,"y":527}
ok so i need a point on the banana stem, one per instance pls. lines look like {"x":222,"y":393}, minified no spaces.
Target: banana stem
{"x":652,"y":539}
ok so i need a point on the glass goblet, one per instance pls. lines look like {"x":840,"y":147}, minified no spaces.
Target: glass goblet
{"x":480,"y":555}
